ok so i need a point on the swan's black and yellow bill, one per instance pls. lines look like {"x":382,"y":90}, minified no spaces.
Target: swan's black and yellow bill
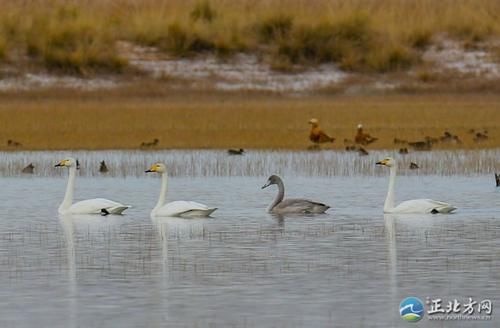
{"x":61,"y":163}
{"x":67,"y":163}
{"x":153,"y":168}
{"x":382,"y":162}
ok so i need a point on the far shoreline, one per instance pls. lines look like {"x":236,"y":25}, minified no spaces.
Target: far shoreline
{"x":58,"y":120}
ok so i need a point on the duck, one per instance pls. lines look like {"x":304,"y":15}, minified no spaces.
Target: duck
{"x":291,"y":206}
{"x":363,"y":138}
{"x":416,"y":206}
{"x":240,"y":151}
{"x":180,"y":208}
{"x":414,"y":166}
{"x":90,"y":206}
{"x":317,"y":135}
{"x":421,"y":145}
{"x":29,"y":169}
{"x":102,"y":167}
{"x":12,"y":143}
{"x":150,"y":144}
{"x":478,"y":137}
{"x":450,"y":138}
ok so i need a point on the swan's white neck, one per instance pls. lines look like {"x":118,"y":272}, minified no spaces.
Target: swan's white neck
{"x":68,"y":197}
{"x":163,"y":192}
{"x":389,"y":200}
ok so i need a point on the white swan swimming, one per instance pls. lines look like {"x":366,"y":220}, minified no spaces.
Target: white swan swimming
{"x":90,"y":206}
{"x":415,"y":206}
{"x":178,"y":208}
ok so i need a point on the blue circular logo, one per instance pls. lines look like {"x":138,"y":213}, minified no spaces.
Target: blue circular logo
{"x":411,"y":309}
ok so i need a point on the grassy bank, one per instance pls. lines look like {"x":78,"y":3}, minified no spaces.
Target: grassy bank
{"x":374,"y":36}
{"x":203,"y":120}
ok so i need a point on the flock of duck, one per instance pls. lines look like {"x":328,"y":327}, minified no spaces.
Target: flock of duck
{"x":317,"y":136}
{"x":280,"y":205}
{"x":362,"y":139}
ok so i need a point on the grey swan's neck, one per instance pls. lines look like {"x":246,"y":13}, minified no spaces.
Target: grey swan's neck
{"x":279,"y":196}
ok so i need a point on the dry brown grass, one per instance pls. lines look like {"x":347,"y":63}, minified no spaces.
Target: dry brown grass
{"x":217,"y":120}
{"x":383,"y":35}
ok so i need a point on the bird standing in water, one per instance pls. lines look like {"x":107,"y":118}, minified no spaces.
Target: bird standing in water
{"x":102,"y":167}
{"x":29,"y":169}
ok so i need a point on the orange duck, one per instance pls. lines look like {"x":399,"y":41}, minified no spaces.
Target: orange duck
{"x":317,"y":135}
{"x":363,"y":138}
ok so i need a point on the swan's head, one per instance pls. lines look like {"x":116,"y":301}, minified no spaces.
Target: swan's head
{"x":273,"y":179}
{"x":68,"y":162}
{"x":388,"y":161}
{"x":158,"y":167}
{"x":313,"y":121}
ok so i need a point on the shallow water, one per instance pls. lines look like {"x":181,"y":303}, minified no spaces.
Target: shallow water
{"x":196,"y":163}
{"x":244,"y":268}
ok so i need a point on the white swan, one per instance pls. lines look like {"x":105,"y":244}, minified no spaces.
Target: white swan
{"x":425,"y":206}
{"x":90,"y":206}
{"x":178,"y":208}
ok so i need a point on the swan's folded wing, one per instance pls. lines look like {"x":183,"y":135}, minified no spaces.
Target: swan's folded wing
{"x":197,"y":206}
{"x":178,"y":207}
{"x":94,"y":206}
{"x":423,"y":206}
{"x":301,"y":206}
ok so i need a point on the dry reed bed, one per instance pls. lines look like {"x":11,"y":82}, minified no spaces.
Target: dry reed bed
{"x":217,"y":121}
{"x":203,"y":163}
{"x":79,"y":36}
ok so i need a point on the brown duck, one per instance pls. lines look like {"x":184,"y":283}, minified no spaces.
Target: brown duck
{"x":317,"y":135}
{"x":363,"y":138}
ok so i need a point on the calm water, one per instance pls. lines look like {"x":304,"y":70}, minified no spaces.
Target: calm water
{"x":243,"y":268}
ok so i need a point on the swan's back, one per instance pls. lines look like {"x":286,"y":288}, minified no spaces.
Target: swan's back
{"x":423,"y":206}
{"x":184,"y":209}
{"x":297,"y":205}
{"x":96,"y":205}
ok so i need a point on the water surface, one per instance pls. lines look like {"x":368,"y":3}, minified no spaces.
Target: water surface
{"x":243,"y":268}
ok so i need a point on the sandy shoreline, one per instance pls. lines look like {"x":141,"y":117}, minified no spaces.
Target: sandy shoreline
{"x":247,"y":120}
